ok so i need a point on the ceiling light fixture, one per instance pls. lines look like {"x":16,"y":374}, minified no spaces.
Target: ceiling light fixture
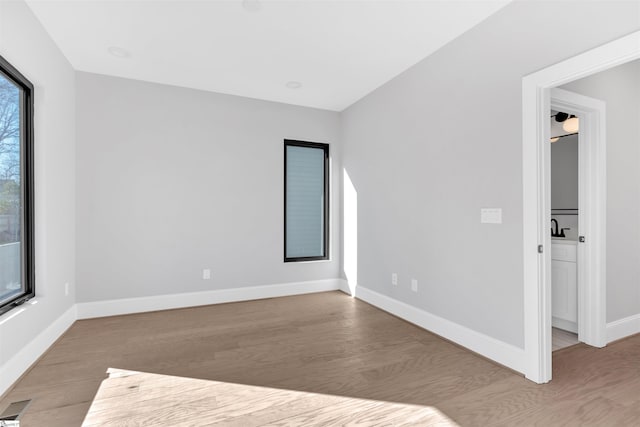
{"x":294,"y":85}
{"x":571,"y":124}
{"x":119,"y":52}
{"x":561,"y":117}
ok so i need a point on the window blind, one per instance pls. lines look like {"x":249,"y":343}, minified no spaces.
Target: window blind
{"x":305,"y":204}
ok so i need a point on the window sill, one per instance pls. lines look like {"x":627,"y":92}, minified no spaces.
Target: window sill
{"x":17,"y":310}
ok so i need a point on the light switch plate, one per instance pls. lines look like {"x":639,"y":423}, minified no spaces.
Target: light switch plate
{"x":491,"y":215}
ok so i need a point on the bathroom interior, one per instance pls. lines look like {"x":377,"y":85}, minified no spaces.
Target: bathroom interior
{"x":564,"y":228}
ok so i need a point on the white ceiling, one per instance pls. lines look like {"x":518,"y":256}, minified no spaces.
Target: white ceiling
{"x":339,"y":50}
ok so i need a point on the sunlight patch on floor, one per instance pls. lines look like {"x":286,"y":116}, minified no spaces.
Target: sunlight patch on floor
{"x":138,"y":398}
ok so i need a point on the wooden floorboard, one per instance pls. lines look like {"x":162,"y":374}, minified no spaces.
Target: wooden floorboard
{"x":331,"y":345}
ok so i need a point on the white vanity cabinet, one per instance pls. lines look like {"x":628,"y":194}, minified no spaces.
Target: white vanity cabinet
{"x":564,"y":285}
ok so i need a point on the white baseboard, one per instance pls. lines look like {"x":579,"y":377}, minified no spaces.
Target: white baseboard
{"x":565,"y":325}
{"x":503,"y":353}
{"x":87,"y":310}
{"x":15,"y":367}
{"x":496,"y":350}
{"x":12,"y":370}
{"x":623,"y":328}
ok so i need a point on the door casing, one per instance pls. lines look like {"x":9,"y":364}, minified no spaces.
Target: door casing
{"x":536,"y":103}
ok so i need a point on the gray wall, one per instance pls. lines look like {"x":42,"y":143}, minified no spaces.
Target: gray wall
{"x":431,"y":147}
{"x":564,"y":182}
{"x":25,"y":44}
{"x":620,"y":89}
{"x":173,"y":180}
{"x":564,"y":173}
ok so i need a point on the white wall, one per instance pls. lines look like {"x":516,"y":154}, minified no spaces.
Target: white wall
{"x":25,"y":44}
{"x":174,"y":180}
{"x":431,"y":147}
{"x":620,"y":89}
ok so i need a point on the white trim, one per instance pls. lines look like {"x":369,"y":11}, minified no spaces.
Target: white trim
{"x":15,"y":367}
{"x":87,"y":310}
{"x":535,"y":116}
{"x":565,"y":325}
{"x":496,"y":350}
{"x":623,"y":328}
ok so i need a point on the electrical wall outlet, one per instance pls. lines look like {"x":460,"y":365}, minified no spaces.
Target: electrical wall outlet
{"x":66,"y":289}
{"x":394,"y":279}
{"x":206,"y":274}
{"x":414,"y":285}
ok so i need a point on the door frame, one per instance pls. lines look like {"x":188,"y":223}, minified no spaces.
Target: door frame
{"x":535,"y":181}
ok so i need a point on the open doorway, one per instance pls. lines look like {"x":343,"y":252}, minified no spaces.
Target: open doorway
{"x":577,"y":204}
{"x":537,"y":96}
{"x":565,"y":148}
{"x":576,"y":196}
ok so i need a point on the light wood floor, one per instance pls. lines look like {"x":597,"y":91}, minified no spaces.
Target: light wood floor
{"x":562,"y":339}
{"x":141,"y":399}
{"x":330,"y":344}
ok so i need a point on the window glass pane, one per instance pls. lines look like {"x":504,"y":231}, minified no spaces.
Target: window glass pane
{"x":305,"y":202}
{"x":10,"y":194}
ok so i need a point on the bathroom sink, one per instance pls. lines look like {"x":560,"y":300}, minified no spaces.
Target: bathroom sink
{"x":564,"y":241}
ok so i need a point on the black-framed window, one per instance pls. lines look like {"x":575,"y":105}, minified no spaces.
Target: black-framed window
{"x":17,"y":279}
{"x":306,"y":201}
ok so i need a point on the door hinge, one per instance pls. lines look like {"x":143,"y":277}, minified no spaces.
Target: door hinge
{"x":581,"y":239}
{"x":540,"y":249}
